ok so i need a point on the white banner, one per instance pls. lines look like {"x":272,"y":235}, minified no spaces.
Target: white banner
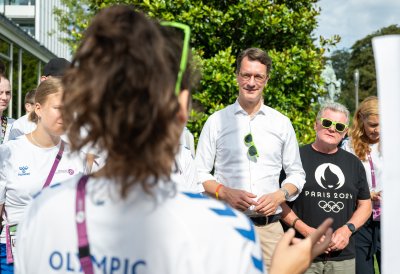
{"x":387,"y":63}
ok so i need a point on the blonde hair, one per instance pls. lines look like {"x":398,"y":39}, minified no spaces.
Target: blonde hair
{"x":359,"y":139}
{"x":50,"y":86}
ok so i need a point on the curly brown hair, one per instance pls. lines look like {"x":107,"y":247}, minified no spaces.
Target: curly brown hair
{"x":359,"y":139}
{"x":121,"y":90}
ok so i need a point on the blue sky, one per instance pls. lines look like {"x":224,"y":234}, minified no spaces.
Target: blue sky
{"x":355,"y":19}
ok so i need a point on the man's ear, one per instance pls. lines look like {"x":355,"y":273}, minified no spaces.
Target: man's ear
{"x":183,"y":99}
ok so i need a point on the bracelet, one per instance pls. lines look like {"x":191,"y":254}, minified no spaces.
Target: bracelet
{"x":294,"y":222}
{"x":217,"y":190}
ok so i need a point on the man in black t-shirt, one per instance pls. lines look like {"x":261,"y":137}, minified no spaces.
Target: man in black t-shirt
{"x":336,"y":187}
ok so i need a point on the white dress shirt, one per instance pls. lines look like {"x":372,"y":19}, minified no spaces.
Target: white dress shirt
{"x":221,"y":146}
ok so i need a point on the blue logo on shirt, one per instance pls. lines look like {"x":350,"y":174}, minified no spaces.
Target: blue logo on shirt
{"x":24,"y":171}
{"x":249,"y":234}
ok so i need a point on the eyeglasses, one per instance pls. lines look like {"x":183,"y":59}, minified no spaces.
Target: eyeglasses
{"x":259,"y":78}
{"x":326,"y":123}
{"x":185,"y":51}
{"x":252,"y":151}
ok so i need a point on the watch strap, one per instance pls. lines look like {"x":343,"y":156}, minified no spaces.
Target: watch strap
{"x":286,"y":192}
{"x":351,"y":227}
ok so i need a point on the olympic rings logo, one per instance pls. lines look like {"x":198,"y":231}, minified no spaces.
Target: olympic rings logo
{"x":331,"y":206}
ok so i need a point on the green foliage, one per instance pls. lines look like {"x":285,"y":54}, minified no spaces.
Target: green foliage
{"x":361,"y":57}
{"x":73,"y":20}
{"x":223,"y":28}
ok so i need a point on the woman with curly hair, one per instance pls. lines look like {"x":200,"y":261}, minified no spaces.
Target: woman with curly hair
{"x":364,"y":142}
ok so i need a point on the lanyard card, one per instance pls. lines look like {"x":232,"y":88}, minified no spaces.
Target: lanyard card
{"x":11,"y":231}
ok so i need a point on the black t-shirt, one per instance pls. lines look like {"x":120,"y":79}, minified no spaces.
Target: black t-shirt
{"x":334,"y":183}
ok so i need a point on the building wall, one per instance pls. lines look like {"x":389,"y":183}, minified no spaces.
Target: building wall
{"x":40,"y":15}
{"x":45,"y":23}
{"x":24,"y":58}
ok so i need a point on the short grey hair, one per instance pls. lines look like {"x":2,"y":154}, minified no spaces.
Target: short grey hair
{"x":334,"y":107}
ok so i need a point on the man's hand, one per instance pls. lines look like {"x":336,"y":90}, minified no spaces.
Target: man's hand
{"x":236,"y":198}
{"x":340,"y":238}
{"x":294,"y":255}
{"x":268,"y":203}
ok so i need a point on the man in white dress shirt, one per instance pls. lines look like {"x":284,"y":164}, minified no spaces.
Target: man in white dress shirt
{"x":247,"y":144}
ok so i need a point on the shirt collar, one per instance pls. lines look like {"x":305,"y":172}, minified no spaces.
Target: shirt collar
{"x":237,"y":108}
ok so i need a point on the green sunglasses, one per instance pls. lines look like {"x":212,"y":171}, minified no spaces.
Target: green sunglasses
{"x":185,"y":51}
{"x":326,"y":123}
{"x":248,"y":140}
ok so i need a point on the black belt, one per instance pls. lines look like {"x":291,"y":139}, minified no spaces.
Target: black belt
{"x":264,"y":220}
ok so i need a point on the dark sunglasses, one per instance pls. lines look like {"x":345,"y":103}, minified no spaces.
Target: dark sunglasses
{"x":326,"y":123}
{"x":252,"y":151}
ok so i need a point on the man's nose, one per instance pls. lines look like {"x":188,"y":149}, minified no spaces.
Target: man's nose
{"x":252,"y":81}
{"x":332,"y":127}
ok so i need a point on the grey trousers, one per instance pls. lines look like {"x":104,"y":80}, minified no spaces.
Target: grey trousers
{"x":333,"y":267}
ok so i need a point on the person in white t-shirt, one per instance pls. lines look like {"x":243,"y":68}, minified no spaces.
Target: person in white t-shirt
{"x":22,"y":125}
{"x":5,"y":97}
{"x":33,"y":162}
{"x":364,"y":142}
{"x":188,"y":141}
{"x":185,"y":172}
{"x":128,"y":217}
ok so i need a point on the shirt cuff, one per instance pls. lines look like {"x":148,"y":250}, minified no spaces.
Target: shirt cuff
{"x":203,"y":177}
{"x":298,"y":182}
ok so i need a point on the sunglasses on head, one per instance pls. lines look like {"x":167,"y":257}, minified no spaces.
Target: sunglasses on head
{"x":185,"y":51}
{"x":326,"y":123}
{"x":252,"y":151}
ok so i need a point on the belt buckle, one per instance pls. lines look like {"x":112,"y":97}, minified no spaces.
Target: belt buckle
{"x":260,"y":221}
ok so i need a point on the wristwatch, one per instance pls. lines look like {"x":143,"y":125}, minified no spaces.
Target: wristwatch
{"x":351,"y":227}
{"x":287,"y":196}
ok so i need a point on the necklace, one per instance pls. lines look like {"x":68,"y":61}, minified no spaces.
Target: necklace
{"x":36,"y":142}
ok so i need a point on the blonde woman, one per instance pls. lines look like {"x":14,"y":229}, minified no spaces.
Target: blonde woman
{"x":32,"y":162}
{"x":364,"y":142}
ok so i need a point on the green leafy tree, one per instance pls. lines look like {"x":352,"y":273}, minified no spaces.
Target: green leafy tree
{"x":340,"y":59}
{"x":223,"y":28}
{"x":361,"y":57}
{"x":73,"y":19}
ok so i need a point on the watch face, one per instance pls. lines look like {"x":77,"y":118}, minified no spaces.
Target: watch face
{"x":351,"y":227}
